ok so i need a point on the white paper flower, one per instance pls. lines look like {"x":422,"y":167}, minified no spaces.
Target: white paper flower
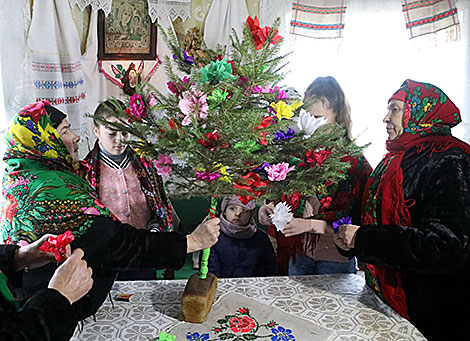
{"x":307,"y":123}
{"x":281,"y":215}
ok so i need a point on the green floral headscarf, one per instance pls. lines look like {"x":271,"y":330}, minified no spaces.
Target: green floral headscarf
{"x":43,"y":195}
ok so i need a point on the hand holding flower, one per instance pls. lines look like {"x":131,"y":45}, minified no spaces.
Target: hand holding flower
{"x":346,"y":236}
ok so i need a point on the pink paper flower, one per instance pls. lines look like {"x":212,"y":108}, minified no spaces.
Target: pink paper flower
{"x":193,"y":105}
{"x":137,"y":105}
{"x":163,"y":165}
{"x":207,"y":176}
{"x":152,"y":101}
{"x":279,"y":171}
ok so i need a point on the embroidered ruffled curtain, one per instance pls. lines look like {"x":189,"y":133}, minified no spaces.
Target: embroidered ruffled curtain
{"x":157,"y":8}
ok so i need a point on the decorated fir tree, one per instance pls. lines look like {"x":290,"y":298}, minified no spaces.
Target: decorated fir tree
{"x":231,"y":127}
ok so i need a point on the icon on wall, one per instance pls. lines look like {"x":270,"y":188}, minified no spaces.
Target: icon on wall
{"x":127,"y":33}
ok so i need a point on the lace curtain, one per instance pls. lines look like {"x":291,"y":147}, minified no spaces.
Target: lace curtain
{"x":105,"y":5}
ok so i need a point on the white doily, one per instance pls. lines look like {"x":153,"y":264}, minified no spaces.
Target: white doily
{"x":105,"y":5}
{"x":173,"y":9}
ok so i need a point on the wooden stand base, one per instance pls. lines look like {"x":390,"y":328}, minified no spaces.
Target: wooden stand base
{"x":198,"y":297}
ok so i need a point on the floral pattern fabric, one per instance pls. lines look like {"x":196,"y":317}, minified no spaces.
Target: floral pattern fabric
{"x":43,"y":195}
{"x":150,"y":182}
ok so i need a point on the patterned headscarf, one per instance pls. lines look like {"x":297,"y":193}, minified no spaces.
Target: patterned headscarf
{"x":43,"y":195}
{"x":429,"y":115}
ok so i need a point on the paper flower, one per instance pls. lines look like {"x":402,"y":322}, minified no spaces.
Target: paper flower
{"x":56,"y":245}
{"x":343,"y":221}
{"x":152,"y":101}
{"x":193,"y":104}
{"x":265,"y":122}
{"x":307,"y":123}
{"x":224,"y":176}
{"x":250,"y":146}
{"x":163,"y":165}
{"x":280,"y":135}
{"x":186,"y":58}
{"x":293,"y":200}
{"x":316,"y":156}
{"x":281,"y":215}
{"x":278,"y":171}
{"x":207,"y":176}
{"x":284,"y":110}
{"x":252,"y":182}
{"x":138,"y":108}
{"x":166,"y":337}
{"x":260,"y":34}
{"x":218,"y":96}
{"x":217,"y":71}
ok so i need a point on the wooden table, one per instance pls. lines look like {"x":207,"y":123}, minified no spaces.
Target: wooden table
{"x":341,"y":303}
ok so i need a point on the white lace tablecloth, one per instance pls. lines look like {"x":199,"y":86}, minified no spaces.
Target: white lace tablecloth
{"x":341,"y":303}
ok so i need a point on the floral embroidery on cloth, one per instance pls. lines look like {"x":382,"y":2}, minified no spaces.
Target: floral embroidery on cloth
{"x":236,"y":317}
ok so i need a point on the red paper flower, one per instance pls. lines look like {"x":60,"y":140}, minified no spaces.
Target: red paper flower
{"x":245,"y":199}
{"x":241,"y":324}
{"x":173,"y":124}
{"x":260,"y":34}
{"x":292,"y":199}
{"x":326,"y":203}
{"x":57,"y":245}
{"x":251,"y":183}
{"x":211,"y":141}
{"x":317,"y":157}
{"x":266,"y":122}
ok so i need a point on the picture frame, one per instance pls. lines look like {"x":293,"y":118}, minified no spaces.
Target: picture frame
{"x":127,"y":33}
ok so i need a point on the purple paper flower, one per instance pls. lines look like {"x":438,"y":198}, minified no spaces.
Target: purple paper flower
{"x":187,"y":58}
{"x":343,"y":221}
{"x":261,"y":169}
{"x":280,"y":135}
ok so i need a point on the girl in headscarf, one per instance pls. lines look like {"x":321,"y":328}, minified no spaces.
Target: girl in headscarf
{"x":242,"y":249}
{"x":414,"y":234}
{"x":45,"y":196}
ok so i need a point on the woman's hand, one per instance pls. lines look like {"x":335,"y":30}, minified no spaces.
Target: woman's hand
{"x":264,"y":212}
{"x":204,"y":236}
{"x":346,"y":236}
{"x":298,"y":225}
{"x":29,"y":256}
{"x":73,"y":278}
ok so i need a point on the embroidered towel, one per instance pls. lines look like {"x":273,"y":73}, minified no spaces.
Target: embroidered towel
{"x":235,"y":316}
{"x":429,"y":16}
{"x":318,"y":18}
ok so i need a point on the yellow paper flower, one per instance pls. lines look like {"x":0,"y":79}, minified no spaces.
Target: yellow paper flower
{"x":284,"y":110}
{"x":224,"y":176}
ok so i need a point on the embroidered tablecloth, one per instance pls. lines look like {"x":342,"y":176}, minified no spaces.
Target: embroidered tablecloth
{"x":340,"y":303}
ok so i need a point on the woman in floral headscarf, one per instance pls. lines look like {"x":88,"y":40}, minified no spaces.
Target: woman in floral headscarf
{"x":45,"y":196}
{"x":415,"y":233}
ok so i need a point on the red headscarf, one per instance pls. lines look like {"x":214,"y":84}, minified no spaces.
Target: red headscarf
{"x":429,"y":115}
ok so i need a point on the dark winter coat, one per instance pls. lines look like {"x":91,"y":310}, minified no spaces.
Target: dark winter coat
{"x":109,"y":247}
{"x":44,"y":316}
{"x":249,"y":257}
{"x":434,"y":253}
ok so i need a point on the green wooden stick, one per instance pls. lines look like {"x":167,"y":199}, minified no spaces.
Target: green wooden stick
{"x":206,"y":252}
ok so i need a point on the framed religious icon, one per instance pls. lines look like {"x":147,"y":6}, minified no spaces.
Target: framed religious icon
{"x":127,"y":33}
